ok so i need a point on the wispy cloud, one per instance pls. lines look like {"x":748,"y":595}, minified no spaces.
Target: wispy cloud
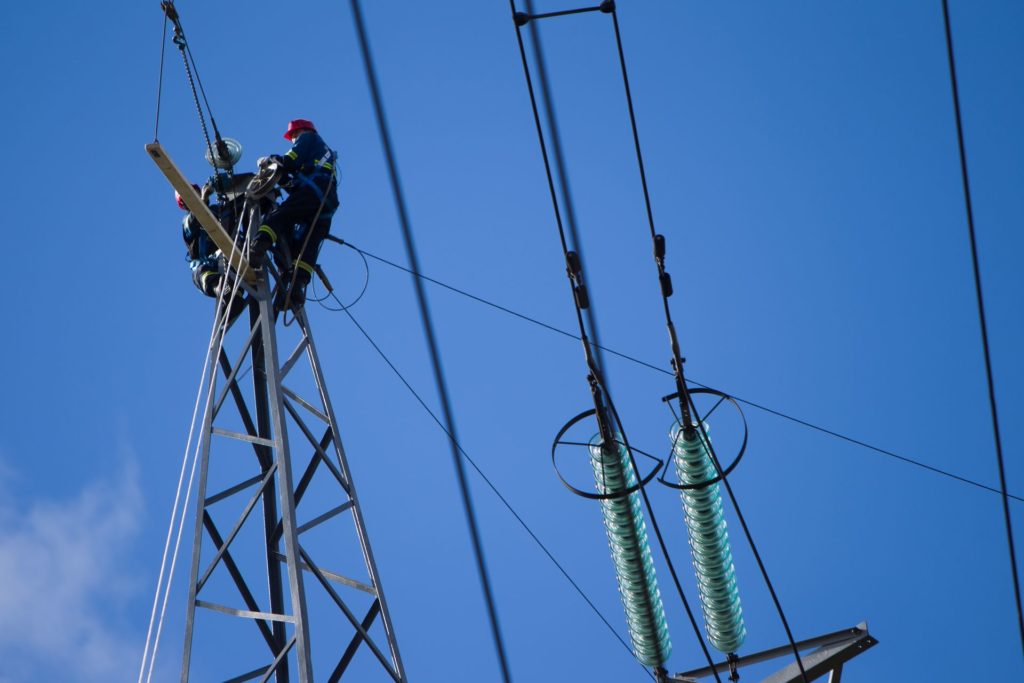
{"x":60,"y":588}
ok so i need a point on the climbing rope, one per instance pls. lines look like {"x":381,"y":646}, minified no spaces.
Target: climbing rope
{"x":222,"y":320}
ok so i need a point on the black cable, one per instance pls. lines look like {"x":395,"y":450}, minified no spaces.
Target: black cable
{"x":664,"y":280}
{"x":665,"y":553}
{"x":750,"y":540}
{"x":690,"y":380}
{"x":160,"y":79}
{"x":599,"y":383}
{"x":570,"y":215}
{"x":494,"y":488}
{"x":981,"y":318}
{"x":685,"y":400}
{"x":428,"y":329}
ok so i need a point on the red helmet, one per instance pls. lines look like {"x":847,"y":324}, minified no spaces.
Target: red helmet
{"x":297,"y":125}
{"x":181,"y":202}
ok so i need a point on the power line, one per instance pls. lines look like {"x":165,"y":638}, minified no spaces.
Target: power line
{"x":690,"y":380}
{"x":574,"y":269}
{"x":981,"y":318}
{"x":428,"y":329}
{"x":685,"y":400}
{"x":492,"y":486}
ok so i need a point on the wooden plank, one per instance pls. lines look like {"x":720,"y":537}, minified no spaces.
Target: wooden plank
{"x":201,"y":211}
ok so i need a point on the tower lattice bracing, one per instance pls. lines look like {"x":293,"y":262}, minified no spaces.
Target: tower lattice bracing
{"x":283,"y":584}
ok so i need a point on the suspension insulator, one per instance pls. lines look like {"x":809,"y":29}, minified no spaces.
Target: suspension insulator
{"x":709,"y":541}
{"x":631,"y":553}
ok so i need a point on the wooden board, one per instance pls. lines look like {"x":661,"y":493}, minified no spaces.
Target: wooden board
{"x":201,"y":211}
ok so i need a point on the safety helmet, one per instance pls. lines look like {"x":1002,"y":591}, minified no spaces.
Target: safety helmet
{"x":296,"y":125}
{"x":181,"y":202}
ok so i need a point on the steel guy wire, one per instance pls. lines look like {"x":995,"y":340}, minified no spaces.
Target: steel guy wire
{"x":981,"y":319}
{"x":428,"y":329}
{"x":491,"y":485}
{"x":690,"y":380}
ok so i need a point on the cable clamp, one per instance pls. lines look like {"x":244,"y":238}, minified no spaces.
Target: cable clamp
{"x":323,"y":278}
{"x":734,"y":674}
{"x":608,"y":6}
{"x":170,"y":10}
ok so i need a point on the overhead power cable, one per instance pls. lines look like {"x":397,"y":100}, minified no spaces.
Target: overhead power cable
{"x":574,"y":269}
{"x":428,"y":330}
{"x":492,"y":486}
{"x":690,"y":380}
{"x":686,"y":421}
{"x":981,"y":319}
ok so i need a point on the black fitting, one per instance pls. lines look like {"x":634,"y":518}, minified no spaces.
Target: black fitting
{"x":582,"y":300}
{"x":666,"y":284}
{"x":168,"y":7}
{"x":572,"y":262}
{"x":222,"y":149}
{"x":607,"y":6}
{"x":521,"y":18}
{"x":659,"y":247}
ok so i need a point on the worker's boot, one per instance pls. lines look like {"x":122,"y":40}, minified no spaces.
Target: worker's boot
{"x":298,"y":297}
{"x":291,"y":294}
{"x":258,"y":249}
{"x":211,"y":284}
{"x":233,"y":304}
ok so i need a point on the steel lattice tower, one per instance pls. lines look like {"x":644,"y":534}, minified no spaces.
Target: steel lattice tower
{"x":261,"y":507}
{"x":257,"y":572}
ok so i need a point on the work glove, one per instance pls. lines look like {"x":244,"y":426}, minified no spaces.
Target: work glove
{"x":266,"y":161}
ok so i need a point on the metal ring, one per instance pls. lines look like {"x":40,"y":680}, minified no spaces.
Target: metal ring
{"x":599,"y":496}
{"x":722,"y":474}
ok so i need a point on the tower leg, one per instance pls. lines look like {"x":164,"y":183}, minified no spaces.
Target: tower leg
{"x":284,"y":626}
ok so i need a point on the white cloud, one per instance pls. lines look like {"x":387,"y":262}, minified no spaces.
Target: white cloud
{"x":61,"y":590}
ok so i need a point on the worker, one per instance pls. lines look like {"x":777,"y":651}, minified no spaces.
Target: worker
{"x":203,"y":254}
{"x":296,"y":228}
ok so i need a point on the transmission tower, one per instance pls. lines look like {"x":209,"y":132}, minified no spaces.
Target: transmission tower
{"x":277,"y":572}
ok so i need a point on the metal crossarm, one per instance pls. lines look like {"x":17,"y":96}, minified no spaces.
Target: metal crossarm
{"x":833,"y":650}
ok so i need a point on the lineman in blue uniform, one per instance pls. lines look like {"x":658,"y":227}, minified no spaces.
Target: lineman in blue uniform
{"x":203,"y":254}
{"x":297,"y":227}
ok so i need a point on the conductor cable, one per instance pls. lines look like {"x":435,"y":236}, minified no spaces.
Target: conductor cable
{"x":492,"y":486}
{"x":981,"y":319}
{"x":428,"y":329}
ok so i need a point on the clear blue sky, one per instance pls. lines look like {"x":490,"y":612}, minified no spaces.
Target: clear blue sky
{"x":803,"y":167}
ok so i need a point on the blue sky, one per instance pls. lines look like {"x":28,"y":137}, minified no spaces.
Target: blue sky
{"x":803,"y":167}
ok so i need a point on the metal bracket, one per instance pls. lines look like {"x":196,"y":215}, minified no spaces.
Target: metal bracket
{"x":833,"y":650}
